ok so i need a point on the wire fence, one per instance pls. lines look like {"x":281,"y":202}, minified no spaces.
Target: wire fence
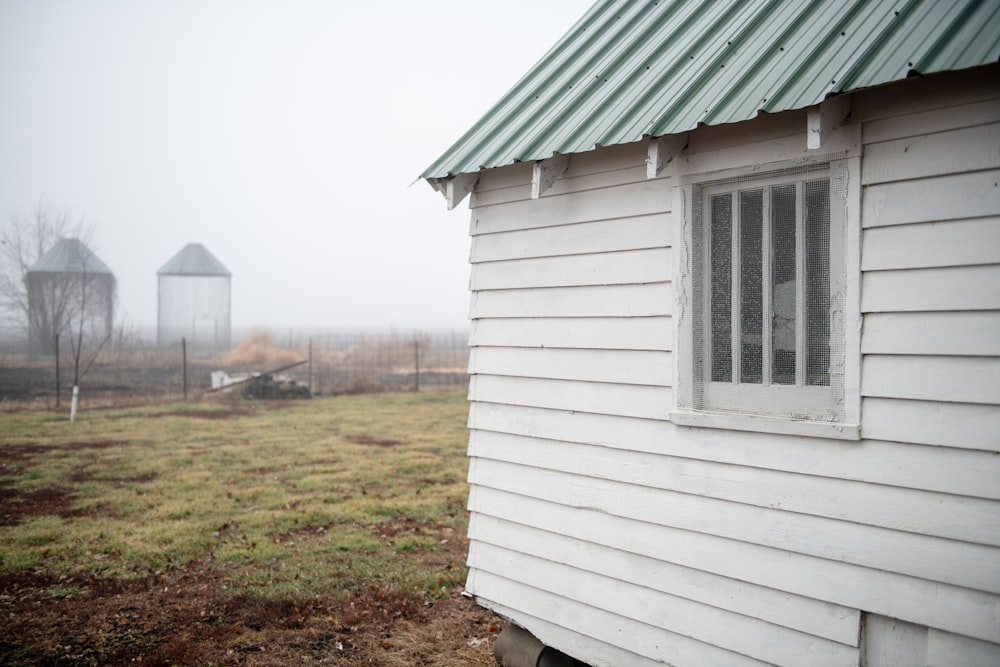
{"x":262,"y":364}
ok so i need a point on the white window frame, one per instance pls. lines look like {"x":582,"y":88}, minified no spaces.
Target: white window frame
{"x":718,"y":401}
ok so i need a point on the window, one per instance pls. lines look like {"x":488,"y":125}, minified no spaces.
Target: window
{"x":765,"y":333}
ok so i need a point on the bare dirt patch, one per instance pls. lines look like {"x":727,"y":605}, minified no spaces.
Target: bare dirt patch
{"x":370,"y":440}
{"x":16,"y":505}
{"x":229,"y":413}
{"x":182,"y":618}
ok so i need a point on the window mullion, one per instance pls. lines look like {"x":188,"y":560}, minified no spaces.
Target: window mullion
{"x":767,"y":289}
{"x":800,"y":285}
{"x":736,"y":318}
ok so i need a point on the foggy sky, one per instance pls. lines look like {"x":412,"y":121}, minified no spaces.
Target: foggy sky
{"x":284,"y":135}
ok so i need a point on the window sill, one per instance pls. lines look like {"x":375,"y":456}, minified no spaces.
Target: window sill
{"x":760,"y":424}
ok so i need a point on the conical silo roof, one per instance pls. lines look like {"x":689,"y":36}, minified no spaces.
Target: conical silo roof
{"x":69,"y":256}
{"x":193,"y":260}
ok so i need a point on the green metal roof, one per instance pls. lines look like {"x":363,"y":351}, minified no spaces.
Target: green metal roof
{"x":636,"y":68}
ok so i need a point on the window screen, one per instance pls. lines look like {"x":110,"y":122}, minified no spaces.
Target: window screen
{"x":767,"y":271}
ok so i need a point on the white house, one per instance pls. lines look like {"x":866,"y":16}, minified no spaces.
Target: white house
{"x":735,"y":393}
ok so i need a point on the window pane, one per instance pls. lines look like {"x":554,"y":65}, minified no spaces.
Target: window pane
{"x":817,"y":205}
{"x":721,"y":245}
{"x":751,"y":285}
{"x":783,"y":284}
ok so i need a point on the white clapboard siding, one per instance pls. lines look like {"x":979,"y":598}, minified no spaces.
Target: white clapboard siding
{"x":946,"y":649}
{"x":599,"y":398}
{"x":956,"y":471}
{"x":612,"y":165}
{"x":952,"y":516}
{"x":742,"y":634}
{"x":954,"y":288}
{"x":608,"y":333}
{"x":972,"y":333}
{"x":933,"y":423}
{"x":909,"y":98}
{"x":616,"y":366}
{"x":623,"y":201}
{"x":822,"y":619}
{"x":597,"y":301}
{"x":510,"y":176}
{"x":931,"y":558}
{"x":948,"y":197}
{"x":889,"y":642}
{"x":923,"y":122}
{"x":652,"y":643}
{"x":565,"y":185}
{"x":955,"y":609}
{"x":954,"y":151}
{"x":599,"y":653}
{"x":947,"y":379}
{"x":648,"y":231}
{"x":955,"y":243}
{"x":612,"y":268}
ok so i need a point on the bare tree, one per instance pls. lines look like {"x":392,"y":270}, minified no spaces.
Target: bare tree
{"x":55,"y":287}
{"x":93,"y":290}
{"x":23,"y":242}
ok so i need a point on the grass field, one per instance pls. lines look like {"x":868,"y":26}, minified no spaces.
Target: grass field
{"x":239,"y":533}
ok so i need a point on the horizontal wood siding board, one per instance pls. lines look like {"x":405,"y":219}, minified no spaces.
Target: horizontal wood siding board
{"x":955,"y":609}
{"x":608,"y":162}
{"x":603,"y":333}
{"x":971,"y":333}
{"x":916,"y":290}
{"x":636,"y":233}
{"x":947,"y":379}
{"x":955,"y":471}
{"x":921,"y":512}
{"x":933,"y":423}
{"x":934,"y":199}
{"x":597,"y":653}
{"x":931,"y":558}
{"x":822,"y":619}
{"x":504,"y":177}
{"x":614,"y":366}
{"x":946,"y":649}
{"x":951,"y":92}
{"x":566,"y":184}
{"x":593,"y":397}
{"x":713,"y":626}
{"x":610,"y":268}
{"x":933,"y":154}
{"x":600,"y":301}
{"x":944,"y":119}
{"x":623,"y":201}
{"x":932,"y":244}
{"x":651,"y":643}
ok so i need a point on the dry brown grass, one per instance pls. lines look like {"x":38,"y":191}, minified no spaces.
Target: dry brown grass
{"x":260,"y":352}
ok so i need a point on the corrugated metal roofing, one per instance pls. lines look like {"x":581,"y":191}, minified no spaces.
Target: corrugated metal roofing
{"x":630,"y":69}
{"x":193,"y":260}
{"x":69,"y":256}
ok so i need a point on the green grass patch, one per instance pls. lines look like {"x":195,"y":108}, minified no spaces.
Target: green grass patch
{"x":319,"y":497}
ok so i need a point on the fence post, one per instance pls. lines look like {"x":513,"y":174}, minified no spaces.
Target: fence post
{"x":310,"y":366}
{"x":184,"y":362}
{"x":416,"y":363}
{"x":58,"y":388}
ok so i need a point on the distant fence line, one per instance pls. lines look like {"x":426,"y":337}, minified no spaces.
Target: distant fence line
{"x":332,"y":362}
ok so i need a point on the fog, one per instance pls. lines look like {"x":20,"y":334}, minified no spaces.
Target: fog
{"x":284,"y":135}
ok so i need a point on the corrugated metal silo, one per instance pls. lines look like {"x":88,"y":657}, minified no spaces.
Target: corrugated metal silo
{"x":194,"y":301}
